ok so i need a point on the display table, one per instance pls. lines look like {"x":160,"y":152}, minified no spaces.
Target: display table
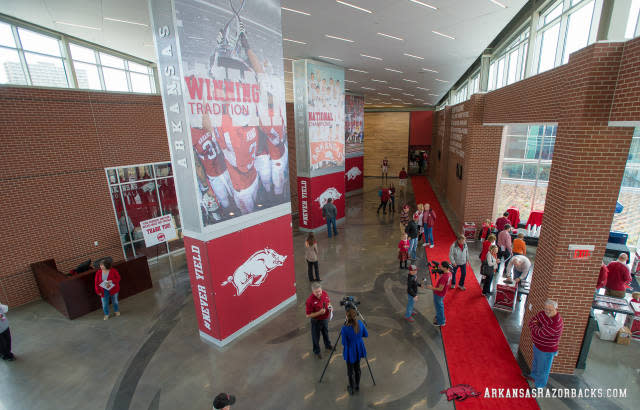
{"x":611,"y":304}
{"x":535,"y":218}
{"x":506,"y":295}
{"x":75,"y":296}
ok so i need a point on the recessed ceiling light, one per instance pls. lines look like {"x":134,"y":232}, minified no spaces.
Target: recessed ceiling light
{"x":497,"y":3}
{"x":435,"y":95}
{"x":390,"y":36}
{"x":443,"y":35}
{"x":378,"y":81}
{"x":76,"y":25}
{"x":422,"y":88}
{"x":330,"y":58}
{"x":395,"y":71}
{"x":295,"y":11}
{"x":425,"y":4}
{"x":395,"y":88}
{"x":442,"y":81}
{"x":288,"y":59}
{"x":195,"y":38}
{"x":410,"y":95}
{"x":358,"y":71}
{"x":338,"y":38}
{"x":396,"y":99}
{"x":354,"y":6}
{"x":293,"y":41}
{"x":126,"y":21}
{"x":409,"y":81}
{"x":349,"y":81}
{"x":430,"y":70}
{"x":372,"y":57}
{"x":412,"y":56}
{"x":383,"y":94}
{"x":368,"y":88}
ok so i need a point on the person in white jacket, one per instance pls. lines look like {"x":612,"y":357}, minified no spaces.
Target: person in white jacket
{"x":459,"y":256}
{"x":5,"y":335}
{"x":490,"y":268}
{"x":519,"y":265}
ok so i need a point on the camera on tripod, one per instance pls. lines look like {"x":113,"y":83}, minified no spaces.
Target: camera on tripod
{"x":349,"y":302}
{"x":435,"y":267}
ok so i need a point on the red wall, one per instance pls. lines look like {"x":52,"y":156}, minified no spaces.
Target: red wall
{"x":420,"y":127}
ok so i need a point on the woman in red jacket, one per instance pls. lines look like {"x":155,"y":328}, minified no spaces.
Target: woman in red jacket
{"x":107,"y":284}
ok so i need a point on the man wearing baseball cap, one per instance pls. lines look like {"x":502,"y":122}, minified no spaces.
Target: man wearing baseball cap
{"x":439,"y":291}
{"x":412,"y":292}
{"x":224,"y":401}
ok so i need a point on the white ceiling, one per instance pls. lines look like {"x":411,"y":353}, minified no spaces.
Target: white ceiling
{"x":473,"y":23}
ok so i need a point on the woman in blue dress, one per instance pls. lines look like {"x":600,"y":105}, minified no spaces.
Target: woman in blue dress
{"x":352,"y":333}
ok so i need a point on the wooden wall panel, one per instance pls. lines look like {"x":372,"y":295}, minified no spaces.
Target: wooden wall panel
{"x":385,"y":134}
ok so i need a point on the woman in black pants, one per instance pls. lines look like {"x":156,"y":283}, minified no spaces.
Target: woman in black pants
{"x":311,"y":255}
{"x":488,"y":269}
{"x":352,"y":333}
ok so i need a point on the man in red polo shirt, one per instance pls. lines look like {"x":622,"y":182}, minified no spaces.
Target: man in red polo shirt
{"x":439,"y":292}
{"x":318,"y":311}
{"x":618,"y":277}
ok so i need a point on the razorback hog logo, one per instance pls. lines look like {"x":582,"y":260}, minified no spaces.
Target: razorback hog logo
{"x":353,"y":173}
{"x":460,"y":392}
{"x":329,"y":193}
{"x":254,"y":271}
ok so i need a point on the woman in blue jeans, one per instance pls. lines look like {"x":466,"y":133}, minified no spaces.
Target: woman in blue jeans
{"x":107,"y":286}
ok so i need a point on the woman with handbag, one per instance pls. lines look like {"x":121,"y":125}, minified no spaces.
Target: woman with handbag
{"x":488,"y":269}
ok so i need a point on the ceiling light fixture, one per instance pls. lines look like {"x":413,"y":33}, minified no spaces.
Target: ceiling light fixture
{"x":443,"y":35}
{"x":293,"y":41}
{"x":409,"y":81}
{"x":368,"y":88}
{"x":442,"y":81}
{"x":410,"y":95}
{"x":295,"y":11}
{"x":396,"y":99}
{"x":424,"y":4}
{"x":497,"y":3}
{"x":339,"y":38}
{"x":330,"y":58}
{"x":435,"y":95}
{"x":390,"y":36}
{"x":378,"y":81}
{"x":395,"y":71}
{"x":288,"y":59}
{"x":358,"y":71}
{"x":383,"y":94}
{"x":354,"y":6}
{"x":126,"y":21}
{"x":430,"y":70}
{"x":395,"y":88}
{"x":412,"y":56}
{"x":349,"y":81}
{"x":372,"y":57}
{"x":76,"y":25}
{"x":422,"y":88}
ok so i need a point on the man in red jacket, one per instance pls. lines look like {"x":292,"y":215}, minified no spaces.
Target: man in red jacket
{"x":546,"y":329}
{"x":618,"y":277}
{"x":384,"y":198}
{"x":502,"y":221}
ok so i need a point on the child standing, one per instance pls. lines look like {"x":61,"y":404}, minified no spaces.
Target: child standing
{"x":404,"y":217}
{"x":311,"y":255}
{"x":519,"y":245}
{"x":403,"y":251}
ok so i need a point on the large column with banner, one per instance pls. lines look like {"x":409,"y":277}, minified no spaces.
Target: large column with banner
{"x":354,"y":143}
{"x":319,"y":113}
{"x":222,"y":82}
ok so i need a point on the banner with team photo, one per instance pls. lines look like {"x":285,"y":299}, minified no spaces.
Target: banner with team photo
{"x":231,"y":56}
{"x":325,"y":122}
{"x":354,"y":125}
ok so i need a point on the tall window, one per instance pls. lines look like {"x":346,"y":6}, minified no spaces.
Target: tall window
{"x":633,"y":22}
{"x":509,"y":64}
{"x":30,"y":58}
{"x":526,"y":162}
{"x":141,"y":192}
{"x":474,"y":84}
{"x":629,"y":197}
{"x":564,"y":27}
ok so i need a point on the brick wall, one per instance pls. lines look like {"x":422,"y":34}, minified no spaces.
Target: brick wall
{"x":56,"y":144}
{"x":599,"y":84}
{"x":293,"y":170}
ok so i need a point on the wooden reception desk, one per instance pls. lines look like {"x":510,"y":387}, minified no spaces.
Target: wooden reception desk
{"x":75,"y":296}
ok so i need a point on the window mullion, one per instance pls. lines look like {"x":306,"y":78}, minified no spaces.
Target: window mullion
{"x":23,"y":59}
{"x":562,"y":39}
{"x":128,"y":75}
{"x":68,"y":62}
{"x":100,"y":73}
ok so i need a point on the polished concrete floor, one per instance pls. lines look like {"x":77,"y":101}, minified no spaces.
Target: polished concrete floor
{"x":152,"y":357}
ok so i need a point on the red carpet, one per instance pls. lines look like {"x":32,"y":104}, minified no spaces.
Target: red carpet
{"x":477,"y":351}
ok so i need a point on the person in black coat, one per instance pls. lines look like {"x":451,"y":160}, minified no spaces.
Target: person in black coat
{"x":412,"y":231}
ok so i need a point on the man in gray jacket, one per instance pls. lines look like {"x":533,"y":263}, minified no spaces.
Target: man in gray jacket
{"x":5,"y":335}
{"x":459,"y":256}
{"x":329,"y":213}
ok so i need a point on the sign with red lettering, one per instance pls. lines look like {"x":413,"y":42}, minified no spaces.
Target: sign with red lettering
{"x":580,"y":251}
{"x":158,"y":230}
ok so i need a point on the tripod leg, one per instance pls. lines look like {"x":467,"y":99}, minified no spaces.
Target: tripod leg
{"x":370,"y":372}
{"x":329,"y":359}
